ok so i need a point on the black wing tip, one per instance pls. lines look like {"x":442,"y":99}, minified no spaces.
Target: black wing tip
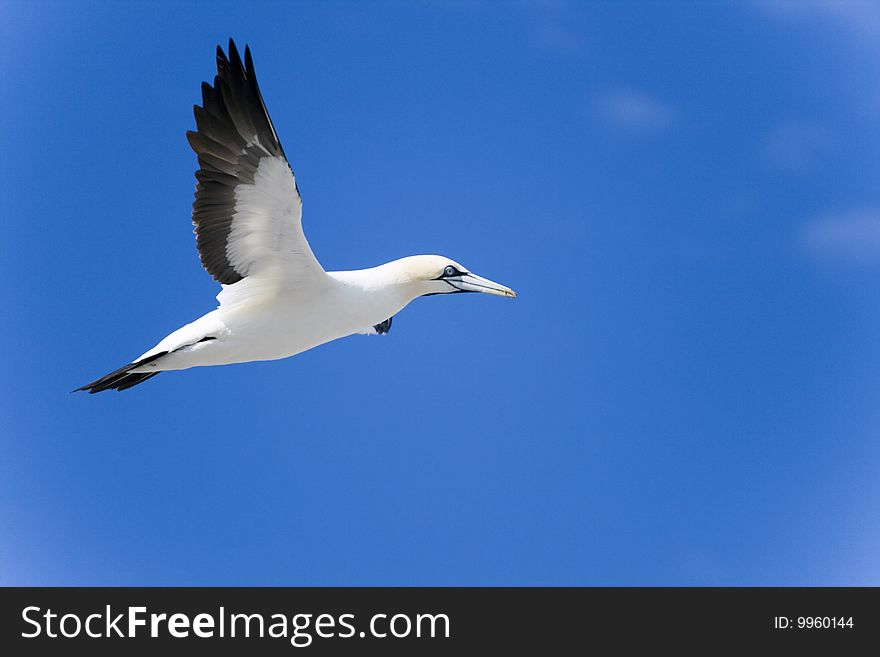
{"x":382,"y":328}
{"x":124,"y":383}
{"x":121,"y":379}
{"x":233,"y":51}
{"x":232,"y":56}
{"x":249,"y":63}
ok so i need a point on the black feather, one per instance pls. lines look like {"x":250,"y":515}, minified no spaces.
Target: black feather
{"x":123,"y":378}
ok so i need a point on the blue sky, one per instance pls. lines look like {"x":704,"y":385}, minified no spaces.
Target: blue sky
{"x":685,"y":195}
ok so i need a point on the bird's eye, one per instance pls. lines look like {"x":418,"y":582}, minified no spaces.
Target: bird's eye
{"x":450,"y":270}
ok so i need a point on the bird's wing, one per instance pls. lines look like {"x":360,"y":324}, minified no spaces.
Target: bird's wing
{"x":247,"y":212}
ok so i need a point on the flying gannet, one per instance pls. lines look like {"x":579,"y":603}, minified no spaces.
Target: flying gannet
{"x":276,"y":299}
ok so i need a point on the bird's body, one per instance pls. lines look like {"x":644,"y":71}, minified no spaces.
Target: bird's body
{"x":276,"y":300}
{"x":263,"y":324}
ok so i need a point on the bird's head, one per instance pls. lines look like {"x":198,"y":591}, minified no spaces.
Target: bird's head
{"x":429,"y":274}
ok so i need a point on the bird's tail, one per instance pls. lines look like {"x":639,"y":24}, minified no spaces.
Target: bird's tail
{"x":123,"y":378}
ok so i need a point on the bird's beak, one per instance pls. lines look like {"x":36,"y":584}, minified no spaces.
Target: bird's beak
{"x":474,"y":283}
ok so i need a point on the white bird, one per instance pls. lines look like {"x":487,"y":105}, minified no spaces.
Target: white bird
{"x":276,"y":299}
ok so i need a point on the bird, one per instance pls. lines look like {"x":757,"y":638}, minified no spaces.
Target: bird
{"x":276,"y":300}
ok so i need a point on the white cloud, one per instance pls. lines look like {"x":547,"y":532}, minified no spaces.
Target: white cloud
{"x":554,"y":26}
{"x":798,"y":147}
{"x":555,"y":37}
{"x":635,"y":111}
{"x":859,"y":17}
{"x":855,"y":23}
{"x":852,"y":238}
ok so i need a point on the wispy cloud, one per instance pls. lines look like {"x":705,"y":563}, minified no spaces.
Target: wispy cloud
{"x":850,"y":238}
{"x":797,"y":146}
{"x":556,"y":37}
{"x":555,"y":26}
{"x":860,"y":17}
{"x":635,"y":111}
{"x":856,"y":25}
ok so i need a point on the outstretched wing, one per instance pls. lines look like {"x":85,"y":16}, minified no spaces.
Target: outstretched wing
{"x":247,"y":212}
